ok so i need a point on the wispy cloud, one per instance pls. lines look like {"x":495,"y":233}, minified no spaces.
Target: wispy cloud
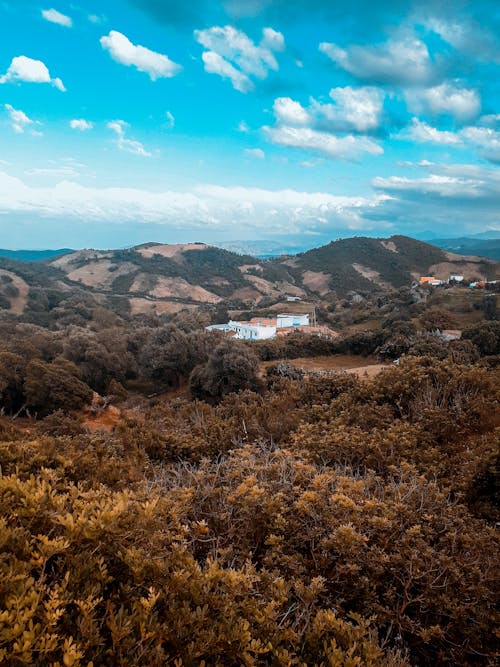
{"x":423,"y":133}
{"x":233,"y":55}
{"x":256,"y":153}
{"x":81,"y":124}
{"x":124,"y":144}
{"x":53,"y":16}
{"x":20,"y":121}
{"x":405,"y":61}
{"x":346,"y":147}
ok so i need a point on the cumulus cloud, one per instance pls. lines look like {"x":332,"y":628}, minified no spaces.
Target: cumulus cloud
{"x":405,"y":61}
{"x":327,"y":129}
{"x":357,"y":109}
{"x":485,"y":140}
{"x":290,"y":112}
{"x":124,"y":144}
{"x":81,"y":124}
{"x":422,"y":133}
{"x":123,"y":51}
{"x":453,"y":196}
{"x":207,"y":207}
{"x":28,"y":70}
{"x":446,"y":99}
{"x":19,"y":120}
{"x":232,"y":55}
{"x":256,"y":153}
{"x":346,"y":147}
{"x":54,"y":16}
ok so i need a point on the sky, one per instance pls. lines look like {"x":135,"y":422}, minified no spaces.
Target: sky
{"x":294,"y":121}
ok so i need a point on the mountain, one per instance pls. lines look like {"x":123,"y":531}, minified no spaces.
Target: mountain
{"x":472,"y":246}
{"x":158,"y":278}
{"x":366,"y":264}
{"x":33,"y":255}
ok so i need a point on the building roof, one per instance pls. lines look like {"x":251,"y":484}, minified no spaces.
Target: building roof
{"x":263,"y":321}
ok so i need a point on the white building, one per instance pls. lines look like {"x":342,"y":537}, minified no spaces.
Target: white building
{"x":290,"y":320}
{"x":457,"y":279}
{"x":246,"y":330}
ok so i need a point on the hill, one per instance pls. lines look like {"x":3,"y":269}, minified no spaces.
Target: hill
{"x":368,"y":264}
{"x":157,"y":278}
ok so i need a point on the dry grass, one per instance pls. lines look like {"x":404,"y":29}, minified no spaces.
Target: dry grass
{"x":361,"y":366}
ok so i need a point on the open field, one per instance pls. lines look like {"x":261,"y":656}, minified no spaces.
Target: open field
{"x":361,"y":366}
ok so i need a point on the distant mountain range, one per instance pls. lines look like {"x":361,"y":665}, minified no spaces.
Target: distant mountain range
{"x":472,"y":246}
{"x":158,"y":278}
{"x":33,"y":255}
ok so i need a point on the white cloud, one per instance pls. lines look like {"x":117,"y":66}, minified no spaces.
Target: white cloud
{"x":290,"y":112}
{"x":123,"y":51}
{"x":406,"y":61}
{"x":485,"y":139}
{"x":81,"y":124}
{"x":346,"y":147}
{"x":170,"y":119}
{"x":19,"y":120}
{"x":422,"y":133}
{"x":355,"y":108}
{"x":206,"y":207}
{"x":243,"y":127}
{"x":312,"y":128}
{"x":28,"y":70}
{"x":216,"y":64}
{"x":447,"y":98}
{"x":459,"y":182}
{"x":55,"y":172}
{"x":256,"y":153}
{"x":54,"y":16}
{"x":124,"y":144}
{"x":490,"y":120}
{"x":468,"y":37}
{"x":233,"y":55}
{"x":444,"y":186}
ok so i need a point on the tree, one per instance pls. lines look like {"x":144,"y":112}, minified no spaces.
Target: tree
{"x":231,"y":367}
{"x":50,"y":387}
{"x":489,"y":306}
{"x":12,"y":368}
{"x":485,"y":336}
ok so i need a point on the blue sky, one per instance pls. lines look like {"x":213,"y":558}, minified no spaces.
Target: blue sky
{"x":126,"y":121}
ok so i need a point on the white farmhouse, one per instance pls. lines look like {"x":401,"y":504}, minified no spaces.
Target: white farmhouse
{"x":246,"y":330}
{"x":290,"y":320}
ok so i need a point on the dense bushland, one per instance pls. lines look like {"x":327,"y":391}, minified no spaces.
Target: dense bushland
{"x":232,"y":517}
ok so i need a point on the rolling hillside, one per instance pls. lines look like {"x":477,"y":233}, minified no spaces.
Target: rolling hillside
{"x":156,"y":278}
